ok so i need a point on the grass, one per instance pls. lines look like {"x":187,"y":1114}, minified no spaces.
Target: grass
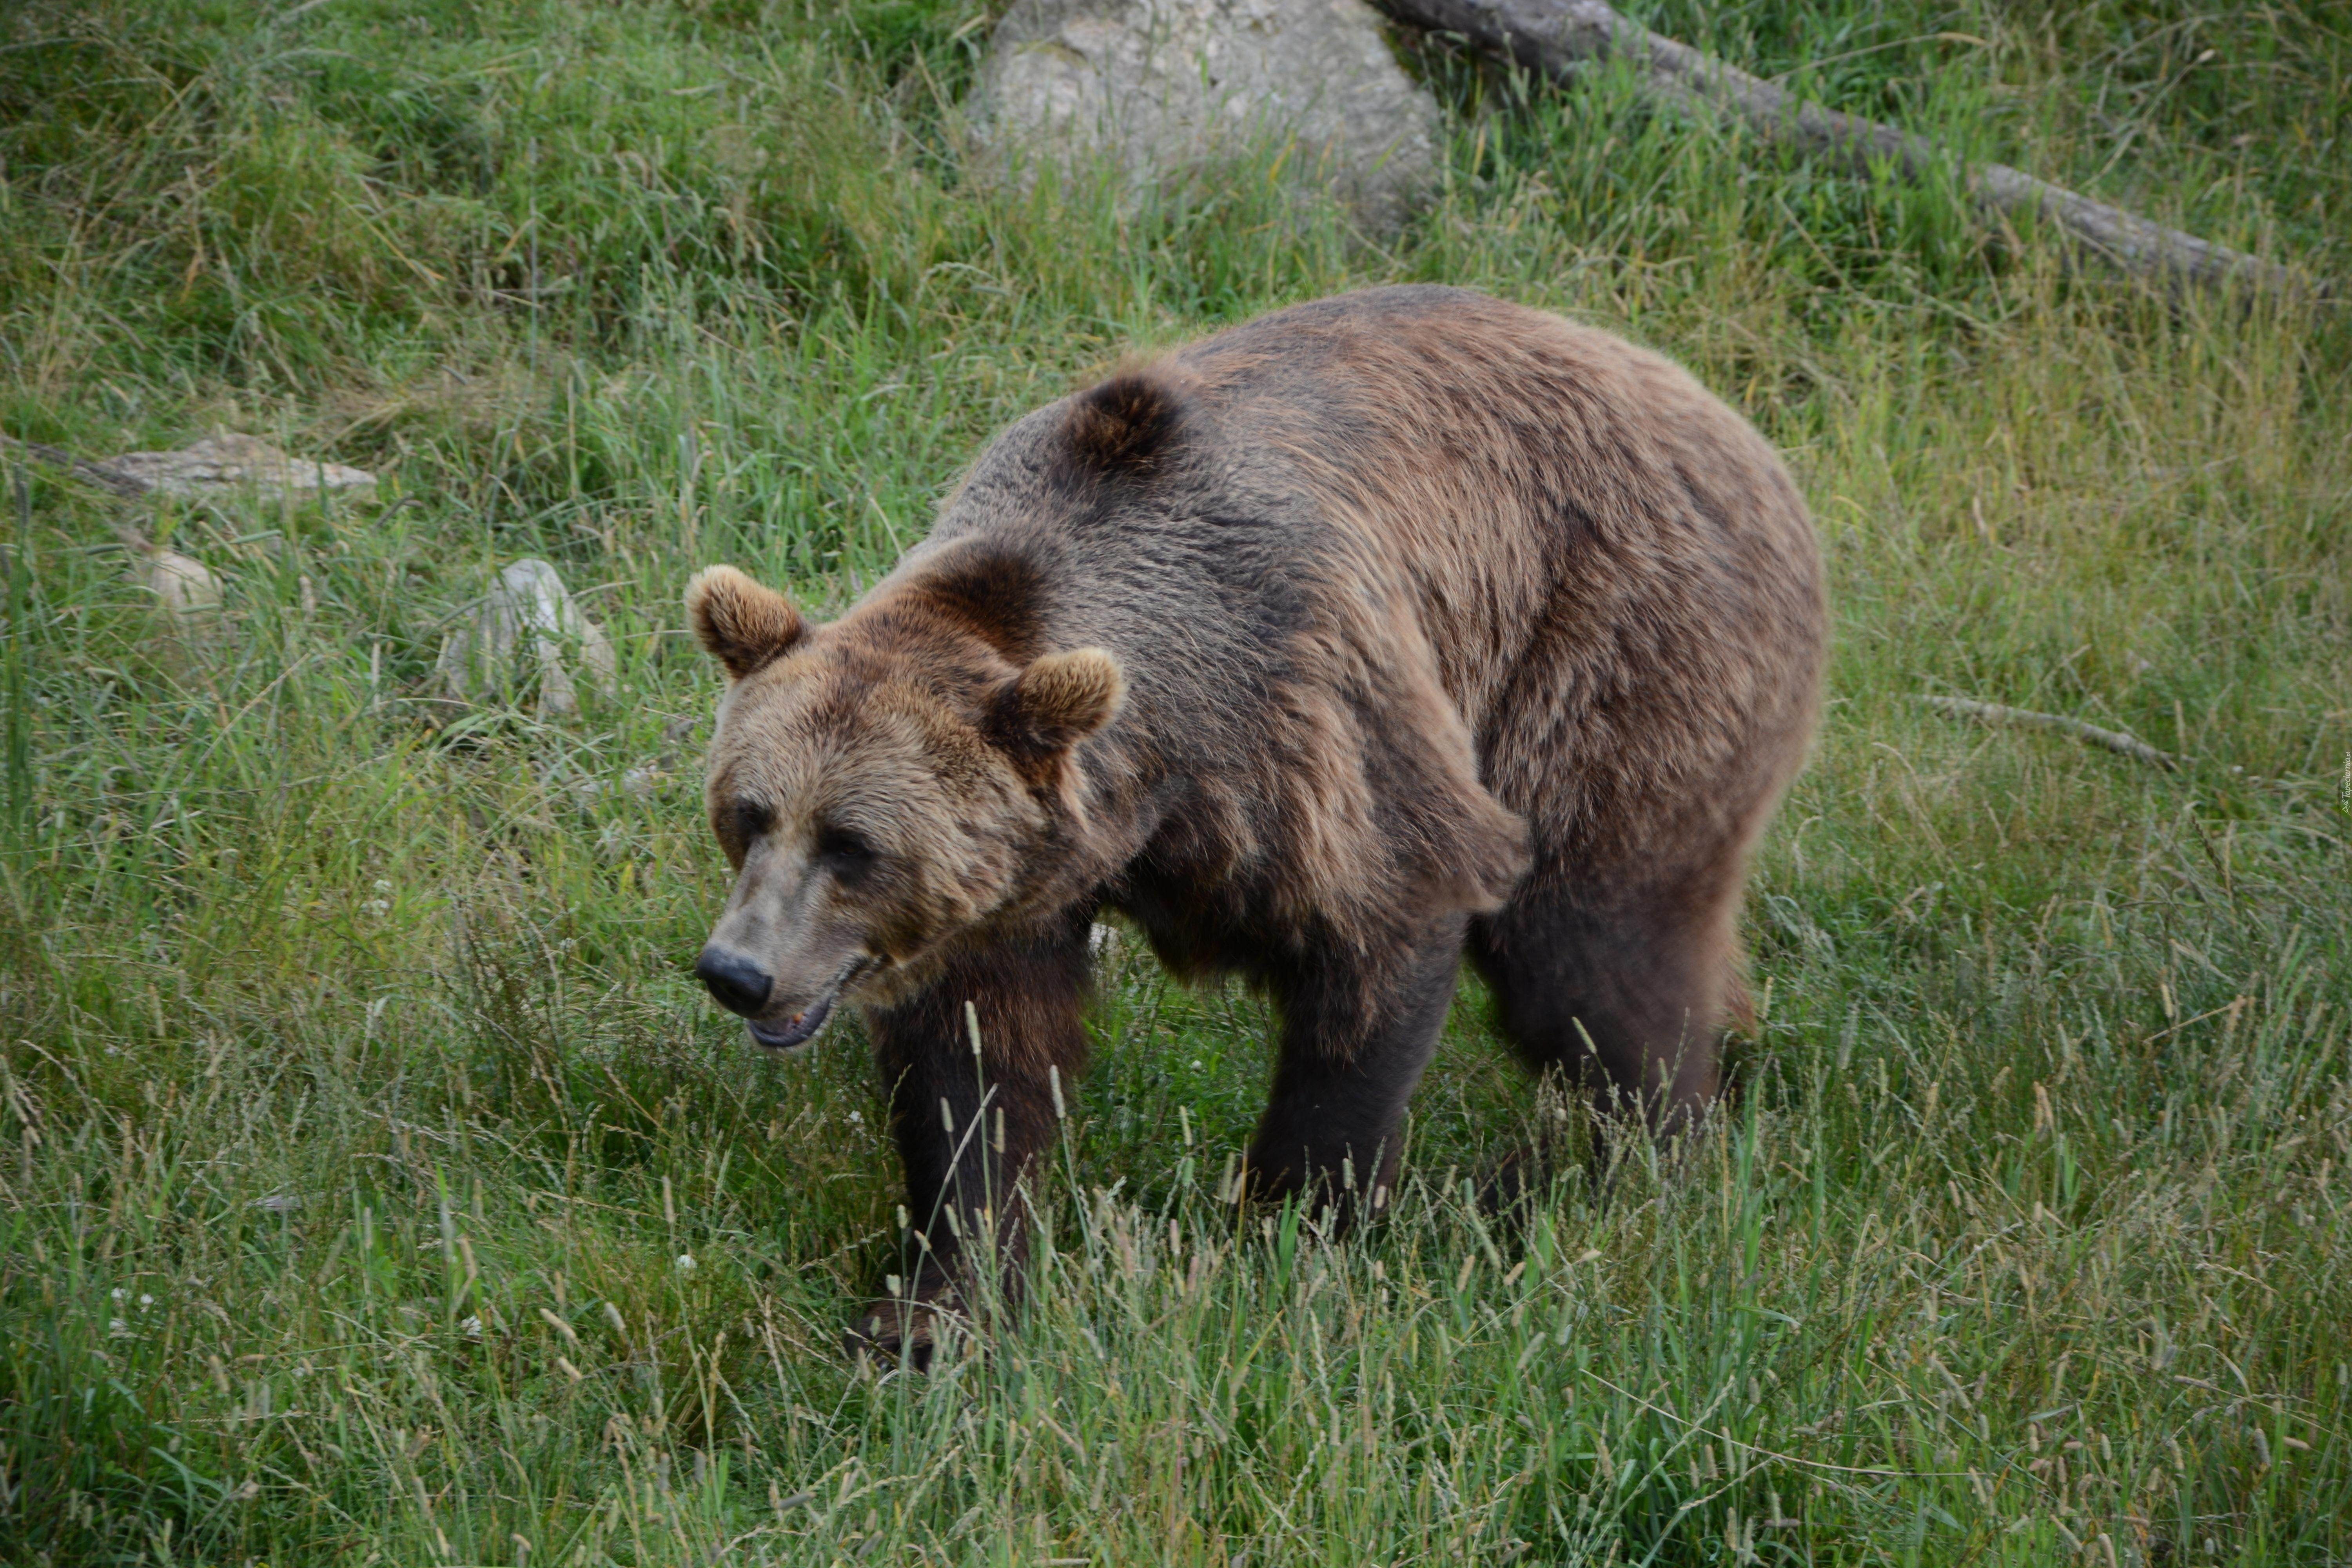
{"x":360,"y":1116}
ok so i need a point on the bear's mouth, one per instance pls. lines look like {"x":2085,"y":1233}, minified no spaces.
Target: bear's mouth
{"x":802,"y":1027}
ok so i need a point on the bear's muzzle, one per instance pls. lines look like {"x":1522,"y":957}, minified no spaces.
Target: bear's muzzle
{"x":735,"y":982}
{"x":800,"y":1027}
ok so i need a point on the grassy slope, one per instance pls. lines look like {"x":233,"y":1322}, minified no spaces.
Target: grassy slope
{"x":2027,"y":1241}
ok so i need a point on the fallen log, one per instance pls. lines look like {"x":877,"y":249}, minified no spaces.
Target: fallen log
{"x":1555,"y":37}
{"x":88,"y":473}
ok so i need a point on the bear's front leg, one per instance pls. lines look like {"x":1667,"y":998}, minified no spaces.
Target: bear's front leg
{"x":1359,"y":1026}
{"x":972,"y":1125}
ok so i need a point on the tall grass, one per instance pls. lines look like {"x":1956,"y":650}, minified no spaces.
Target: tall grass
{"x":360,"y":1119}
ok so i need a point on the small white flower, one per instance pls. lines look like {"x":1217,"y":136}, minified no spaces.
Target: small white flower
{"x":471,"y":1328}
{"x":1196,"y":1064}
{"x":686,"y":1263}
{"x":382,"y":886}
{"x":146,"y":1301}
{"x":377,"y":906}
{"x":120,"y":1294}
{"x":858,"y":1119}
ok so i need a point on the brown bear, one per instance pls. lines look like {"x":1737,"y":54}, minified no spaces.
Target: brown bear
{"x":1373,"y":632}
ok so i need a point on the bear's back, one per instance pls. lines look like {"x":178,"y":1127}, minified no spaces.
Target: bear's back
{"x":1416,"y":461}
{"x":1368,"y":559}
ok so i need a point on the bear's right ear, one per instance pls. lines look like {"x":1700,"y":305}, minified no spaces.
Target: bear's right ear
{"x":746,"y":626}
{"x":1059,"y":700}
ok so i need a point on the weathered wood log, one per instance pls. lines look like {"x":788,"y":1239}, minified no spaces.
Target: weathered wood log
{"x":1555,"y":37}
{"x":88,"y":473}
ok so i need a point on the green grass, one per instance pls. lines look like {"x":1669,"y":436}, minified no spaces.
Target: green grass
{"x":358,"y":1108}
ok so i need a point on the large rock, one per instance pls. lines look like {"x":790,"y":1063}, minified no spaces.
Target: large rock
{"x":1174,"y":91}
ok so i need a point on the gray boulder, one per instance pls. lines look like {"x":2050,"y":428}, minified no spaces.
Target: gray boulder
{"x":1177,"y":91}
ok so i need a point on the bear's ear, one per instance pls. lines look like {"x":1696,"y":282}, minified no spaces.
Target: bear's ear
{"x":1127,"y":425}
{"x":1059,"y":700}
{"x":746,"y":626}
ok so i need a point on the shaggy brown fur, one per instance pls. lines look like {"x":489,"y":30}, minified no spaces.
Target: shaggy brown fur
{"x":1376,"y":631}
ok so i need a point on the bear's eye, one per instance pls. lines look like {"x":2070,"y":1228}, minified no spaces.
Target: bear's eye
{"x":844,"y":849}
{"x":749,"y":819}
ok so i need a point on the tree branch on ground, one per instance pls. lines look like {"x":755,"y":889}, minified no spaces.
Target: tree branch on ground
{"x":2026,"y":719}
{"x":1555,"y":37}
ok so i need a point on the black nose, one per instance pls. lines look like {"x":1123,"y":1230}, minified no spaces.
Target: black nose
{"x":740,"y":985}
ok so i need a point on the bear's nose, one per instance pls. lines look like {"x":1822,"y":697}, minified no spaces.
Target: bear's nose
{"x":740,"y":985}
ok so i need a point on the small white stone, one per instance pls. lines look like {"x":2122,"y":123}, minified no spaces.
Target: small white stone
{"x":527,"y":627}
{"x":185,"y":591}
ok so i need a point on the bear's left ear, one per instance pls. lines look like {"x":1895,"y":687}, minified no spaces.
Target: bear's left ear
{"x":1059,"y":700}
{"x":744,"y":626}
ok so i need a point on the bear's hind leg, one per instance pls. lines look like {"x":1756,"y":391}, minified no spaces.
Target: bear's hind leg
{"x":1355,"y":1042}
{"x":1626,"y":992}
{"x":970,"y":1129}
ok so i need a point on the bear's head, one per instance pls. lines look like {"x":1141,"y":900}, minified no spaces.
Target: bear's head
{"x":881,"y":785}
